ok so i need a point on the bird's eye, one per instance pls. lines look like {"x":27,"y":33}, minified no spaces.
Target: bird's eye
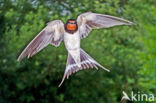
{"x":72,"y":23}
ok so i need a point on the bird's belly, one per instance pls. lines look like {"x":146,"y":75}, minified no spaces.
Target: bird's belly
{"x":72,"y":42}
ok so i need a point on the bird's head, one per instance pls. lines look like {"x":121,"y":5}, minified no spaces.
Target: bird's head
{"x":71,"y":25}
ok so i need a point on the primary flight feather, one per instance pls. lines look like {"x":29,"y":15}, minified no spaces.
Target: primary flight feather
{"x":71,"y":33}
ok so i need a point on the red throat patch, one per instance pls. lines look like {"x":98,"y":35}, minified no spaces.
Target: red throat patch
{"x":71,"y":26}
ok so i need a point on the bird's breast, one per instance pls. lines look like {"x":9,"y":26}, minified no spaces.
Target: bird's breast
{"x":72,"y":41}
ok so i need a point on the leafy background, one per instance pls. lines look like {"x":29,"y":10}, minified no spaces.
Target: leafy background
{"x":128,"y":51}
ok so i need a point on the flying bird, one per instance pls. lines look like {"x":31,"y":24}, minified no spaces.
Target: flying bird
{"x":71,"y":33}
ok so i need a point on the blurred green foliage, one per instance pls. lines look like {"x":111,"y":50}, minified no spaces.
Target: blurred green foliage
{"x":128,"y":51}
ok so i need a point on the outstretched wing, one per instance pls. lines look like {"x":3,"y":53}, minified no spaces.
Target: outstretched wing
{"x":51,"y":34}
{"x":88,"y":21}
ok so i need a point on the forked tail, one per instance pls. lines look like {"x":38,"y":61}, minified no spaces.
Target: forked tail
{"x":86,"y":62}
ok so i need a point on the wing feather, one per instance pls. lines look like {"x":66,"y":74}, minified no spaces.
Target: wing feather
{"x":51,"y":34}
{"x":88,"y":21}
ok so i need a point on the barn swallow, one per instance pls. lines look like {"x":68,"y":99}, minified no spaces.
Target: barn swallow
{"x":71,"y":33}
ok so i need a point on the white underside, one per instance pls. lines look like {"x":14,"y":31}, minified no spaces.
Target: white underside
{"x":72,"y":43}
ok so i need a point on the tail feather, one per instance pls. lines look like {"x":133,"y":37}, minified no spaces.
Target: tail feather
{"x":86,"y":62}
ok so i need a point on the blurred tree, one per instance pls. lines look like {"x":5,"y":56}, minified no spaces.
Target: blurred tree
{"x":125,"y":50}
